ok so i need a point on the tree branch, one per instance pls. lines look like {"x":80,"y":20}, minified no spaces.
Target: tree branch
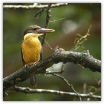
{"x":59,"y":55}
{"x":47,"y":22}
{"x":28,"y":90}
{"x":33,"y":6}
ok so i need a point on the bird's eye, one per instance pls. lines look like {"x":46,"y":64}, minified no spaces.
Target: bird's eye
{"x":34,"y":28}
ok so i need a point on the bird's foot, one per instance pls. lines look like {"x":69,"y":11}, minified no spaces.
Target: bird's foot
{"x":33,"y":81}
{"x":27,"y":66}
{"x":36,"y":62}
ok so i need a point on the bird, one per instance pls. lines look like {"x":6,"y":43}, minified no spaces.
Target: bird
{"x":31,"y":48}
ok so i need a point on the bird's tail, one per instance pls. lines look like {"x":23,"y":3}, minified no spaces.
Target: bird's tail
{"x":33,"y":80}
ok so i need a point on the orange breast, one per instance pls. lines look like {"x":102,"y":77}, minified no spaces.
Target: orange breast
{"x":31,"y":50}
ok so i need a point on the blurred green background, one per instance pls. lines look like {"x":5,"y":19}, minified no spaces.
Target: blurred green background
{"x":67,"y":21}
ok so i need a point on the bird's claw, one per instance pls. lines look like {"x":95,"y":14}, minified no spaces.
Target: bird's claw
{"x":36,"y":62}
{"x":26,"y":66}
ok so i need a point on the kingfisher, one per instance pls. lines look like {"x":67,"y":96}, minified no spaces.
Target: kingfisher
{"x":31,"y":48}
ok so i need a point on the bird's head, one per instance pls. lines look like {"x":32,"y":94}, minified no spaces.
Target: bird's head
{"x":36,"y":31}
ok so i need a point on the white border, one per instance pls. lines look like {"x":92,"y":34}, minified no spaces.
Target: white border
{"x":1,"y":43}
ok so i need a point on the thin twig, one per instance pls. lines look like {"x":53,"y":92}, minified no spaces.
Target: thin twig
{"x":33,"y":6}
{"x":79,"y":41}
{"x":48,"y":46}
{"x":38,"y":14}
{"x":66,"y":81}
{"x":28,"y":90}
{"x":57,"y":20}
